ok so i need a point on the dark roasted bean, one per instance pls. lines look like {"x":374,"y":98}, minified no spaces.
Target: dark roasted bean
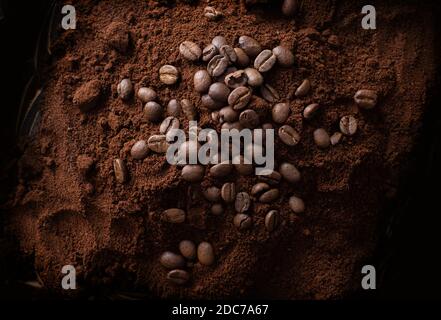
{"x":172,"y":260}
{"x":201,"y":81}
{"x":242,"y":58}
{"x":242,"y":202}
{"x":269,"y":93}
{"x":296,"y":204}
{"x":209,"y":52}
{"x":210,"y":103}
{"x":310,"y":110}
{"x":239,"y":98}
{"x":366,"y":99}
{"x":212,"y":194}
{"x":281,"y":112}
{"x":290,"y":7}
{"x":174,"y":215}
{"x":236,"y":79}
{"x":217,"y":65}
{"x":168,"y":74}
{"x":303,"y":89}
{"x":272,"y":220}
{"x":153,"y":111}
{"x":125,"y":89}
{"x":221,"y":170}
{"x":139,"y":150}
{"x":289,"y":135}
{"x":254,"y":78}
{"x":120,"y":170}
{"x":242,"y":221}
{"x":219,"y":41}
{"x":217,"y":209}
{"x":158,"y":143}
{"x":146,"y":94}
{"x":335,"y":138}
{"x":321,"y":138}
{"x":187,"y":249}
{"x":228,"y":114}
{"x":241,"y":167}
{"x":289,"y":172}
{"x":348,"y":125}
{"x":270,"y":176}
{"x":228,"y":52}
{"x":269,"y":196}
{"x":205,"y":253}
{"x":259,"y":189}
{"x":174,"y":108}
{"x":219,"y":91}
{"x":265,"y":61}
{"x":190,"y":51}
{"x":228,"y":192}
{"x":249,"y":119}
{"x":189,"y":109}
{"x":284,"y":56}
{"x":193,"y":172}
{"x":178,"y":276}
{"x":251,"y":47}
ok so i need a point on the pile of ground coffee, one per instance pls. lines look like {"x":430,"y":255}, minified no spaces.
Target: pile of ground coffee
{"x":70,"y":208}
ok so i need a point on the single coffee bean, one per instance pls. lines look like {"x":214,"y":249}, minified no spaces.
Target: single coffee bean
{"x":212,"y":194}
{"x":289,"y":135}
{"x":251,"y":47}
{"x":270,"y":177}
{"x":153,"y":111}
{"x":210,"y":103}
{"x":228,"y":192}
{"x":310,"y":110}
{"x":289,"y":172}
{"x":172,"y":260}
{"x":158,"y":143}
{"x":178,"y":276}
{"x":265,"y":61}
{"x":193,"y":172}
{"x":221,"y":170}
{"x":321,"y":138}
{"x":303,"y":89}
{"x":242,"y":221}
{"x":174,"y":215}
{"x":239,"y":98}
{"x":168,"y":124}
{"x":120,"y":170}
{"x":284,"y":56}
{"x":125,"y":89}
{"x":168,"y":74}
{"x":205,"y":253}
{"x":219,"y":41}
{"x":236,"y":79}
{"x":228,"y":52}
{"x":232,"y":125}
{"x":190,"y":51}
{"x":242,"y":58}
{"x":212,"y":14}
{"x":249,"y":119}
{"x":259,"y":189}
{"x":296,"y":204}
{"x":366,"y":99}
{"x":146,"y":94}
{"x":201,"y":81}
{"x":242,"y":167}
{"x":219,"y":91}
{"x":174,"y":108}
{"x":189,"y":109}
{"x":348,"y":125}
{"x":281,"y":112}
{"x":254,"y":77}
{"x":209,"y":52}
{"x":269,"y":196}
{"x":140,"y":150}
{"x":272,"y":220}
{"x":217,"y":65}
{"x":289,"y":7}
{"x":335,"y":138}
{"x":242,"y":202}
{"x":228,"y":114}
{"x":187,"y":249}
{"x":269,"y":93}
{"x":217,"y":209}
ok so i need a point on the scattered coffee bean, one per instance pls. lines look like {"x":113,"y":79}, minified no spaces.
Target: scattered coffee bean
{"x":228,"y":114}
{"x":249,"y":119}
{"x":146,"y":94}
{"x":217,"y":209}
{"x":153,"y":111}
{"x":236,"y":79}
{"x":366,"y":99}
{"x":209,"y":52}
{"x":242,"y":221}
{"x":139,"y":150}
{"x":219,"y":91}
{"x":205,"y":253}
{"x":228,"y":192}
{"x":265,"y":61}
{"x":241,"y":167}
{"x":172,"y":260}
{"x":201,"y":81}
{"x":269,"y":196}
{"x":227,"y":72}
{"x":158,"y":143}
{"x":259,"y":189}
{"x":296,"y":204}
{"x":239,"y":98}
{"x":190,"y":51}
{"x":187,"y":249}
{"x":174,"y":108}
{"x":228,"y":52}
{"x":189,"y":109}
{"x":168,"y":74}
{"x":289,"y":7}
{"x":174,"y":215}
{"x":269,"y":93}
{"x":303,"y":89}
{"x":212,"y":14}
{"x":243,"y":202}
{"x":270,"y":177}
{"x":310,"y":110}
{"x":178,"y":276}
{"x":125,"y":89}
{"x":193,"y":172}
{"x":251,"y":47}
{"x":242,"y":58}
{"x":281,"y":112}
{"x":321,"y":138}
{"x":219,"y":41}
{"x":221,"y":170}
{"x":168,"y":124}
{"x":272,"y":220}
{"x":335,"y":138}
{"x":120,"y":170}
{"x":209,"y":103}
{"x":348,"y":125}
{"x":289,"y":135}
{"x":284,"y":56}
{"x":212,"y":194}
{"x":289,"y":172}
{"x":254,"y":77}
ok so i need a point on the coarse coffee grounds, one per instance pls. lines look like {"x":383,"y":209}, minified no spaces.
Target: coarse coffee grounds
{"x":68,"y":208}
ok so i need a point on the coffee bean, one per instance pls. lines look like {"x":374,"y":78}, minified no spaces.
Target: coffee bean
{"x":139,"y":150}
{"x":270,"y":177}
{"x":201,"y":81}
{"x":281,"y":112}
{"x":146,"y":94}
{"x":209,"y":52}
{"x":236,"y":79}
{"x":259,"y":189}
{"x":366,"y":99}
{"x":269,"y":196}
{"x":193,"y":172}
{"x":249,"y":119}
{"x":205,"y":253}
{"x":228,"y":192}
{"x":217,"y":65}
{"x":265,"y":61}
{"x":228,"y":114}
{"x":311,"y":110}
{"x":178,"y":276}
{"x":217,"y":209}
{"x":174,"y":215}
{"x":289,"y":7}
{"x":348,"y":125}
{"x":284,"y":56}
{"x":254,"y":77}
{"x":228,"y":52}
{"x":212,"y":14}
{"x":289,"y":135}
{"x":125,"y":89}
{"x":221,"y":170}
{"x":251,"y":47}
{"x":153,"y":111}
{"x":321,"y":138}
{"x":242,"y":58}
{"x":289,"y":172}
{"x":242,"y":221}
{"x":215,"y":117}
{"x":219,"y":41}
{"x":233,"y":125}
{"x":189,"y":109}
{"x":269,"y":93}
{"x":239,"y":98}
{"x":174,"y":108}
{"x":168,"y":74}
{"x":187,"y":249}
{"x":242,"y":202}
{"x":303,"y":89}
{"x":120,"y":170}
{"x":190,"y":50}
{"x":212,"y":194}
{"x":296,"y":204}
{"x":158,"y":143}
{"x":335,"y":138}
{"x":219,"y":91}
{"x":168,"y":124}
{"x":272,"y":220}
{"x":210,"y":103}
{"x":241,"y":167}
{"x":172,"y":260}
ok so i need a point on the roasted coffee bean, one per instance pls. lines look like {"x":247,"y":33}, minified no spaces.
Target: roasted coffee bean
{"x":125,"y":89}
{"x":153,"y":111}
{"x":190,"y":51}
{"x":201,"y":81}
{"x":120,"y":170}
{"x":233,"y":125}
{"x":205,"y":253}
{"x":168,"y":124}
{"x":249,"y":119}
{"x":158,"y":143}
{"x":219,"y":91}
{"x":303,"y":89}
{"x":228,"y":52}
{"x":289,"y":135}
{"x":348,"y":125}
{"x":269,"y":196}
{"x":219,"y":41}
{"x":210,"y":103}
{"x":259,"y":189}
{"x":296,"y":204}
{"x":140,"y":150}
{"x":242,"y":221}
{"x":321,"y":138}
{"x":168,"y":74}
{"x":228,"y":114}
{"x":270,"y":176}
{"x":217,"y":209}
{"x":272,"y":220}
{"x":146,"y":94}
{"x":215,"y":117}
{"x":242,"y":58}
{"x":227,"y":72}
{"x":189,"y":109}
{"x":242,"y":202}
{"x":172,"y":260}
{"x":236,"y":79}
{"x":265,"y":61}
{"x":310,"y":110}
{"x":212,"y":194}
{"x":366,"y":99}
{"x":178,"y":276}
{"x":289,"y":172}
{"x":254,"y":78}
{"x":174,"y":108}
{"x":239,"y":98}
{"x":269,"y":93}
{"x":187,"y":249}
{"x":290,"y":7}
{"x":335,"y":138}
{"x":284,"y":56}
{"x":251,"y":47}
{"x":281,"y":112}
{"x":221,"y":170}
{"x":174,"y":215}
{"x":228,"y":192}
{"x":241,"y":167}
{"x":212,"y":14}
{"x":209,"y":52}
{"x":217,"y":65}
{"x":193,"y":172}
